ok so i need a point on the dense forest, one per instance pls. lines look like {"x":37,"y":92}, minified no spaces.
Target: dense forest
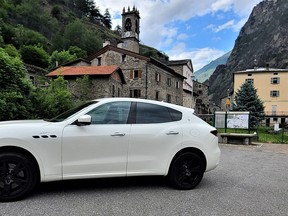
{"x":42,"y":33}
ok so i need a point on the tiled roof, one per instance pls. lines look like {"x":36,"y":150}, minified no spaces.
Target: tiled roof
{"x":83,"y":70}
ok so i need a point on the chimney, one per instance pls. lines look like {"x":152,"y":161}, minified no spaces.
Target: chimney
{"x":267,"y":67}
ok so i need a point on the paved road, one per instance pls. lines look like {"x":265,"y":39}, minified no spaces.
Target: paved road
{"x":251,"y":180}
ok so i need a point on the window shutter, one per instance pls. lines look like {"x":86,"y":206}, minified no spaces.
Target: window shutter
{"x":131,"y":74}
{"x":140,"y":73}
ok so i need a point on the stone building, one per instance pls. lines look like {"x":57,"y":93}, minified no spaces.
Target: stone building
{"x":201,"y":97}
{"x":105,"y":81}
{"x":185,"y":68}
{"x":145,"y":77}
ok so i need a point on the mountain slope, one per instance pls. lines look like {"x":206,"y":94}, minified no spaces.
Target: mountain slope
{"x":262,"y":40}
{"x":205,"y":72}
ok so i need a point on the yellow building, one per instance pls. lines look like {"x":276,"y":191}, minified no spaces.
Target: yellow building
{"x":271,"y":85}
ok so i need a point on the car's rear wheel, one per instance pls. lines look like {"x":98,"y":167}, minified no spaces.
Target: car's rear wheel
{"x":186,"y":171}
{"x":18,"y":176}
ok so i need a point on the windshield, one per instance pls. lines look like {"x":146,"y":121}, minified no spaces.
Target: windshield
{"x":70,"y":112}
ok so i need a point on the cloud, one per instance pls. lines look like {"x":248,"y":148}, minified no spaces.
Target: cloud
{"x":199,"y":57}
{"x":166,"y":22}
{"x":182,"y":36}
{"x":228,"y":25}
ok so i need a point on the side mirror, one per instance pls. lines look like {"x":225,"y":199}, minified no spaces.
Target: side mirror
{"x":84,"y":120}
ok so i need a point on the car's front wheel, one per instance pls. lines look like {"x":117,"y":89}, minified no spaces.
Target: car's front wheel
{"x":186,"y":171}
{"x":17,"y":176}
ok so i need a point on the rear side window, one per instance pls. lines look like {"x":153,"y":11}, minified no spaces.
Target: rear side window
{"x":151,"y":113}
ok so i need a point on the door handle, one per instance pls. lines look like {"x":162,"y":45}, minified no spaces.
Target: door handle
{"x":172,"y":133}
{"x":118,"y":134}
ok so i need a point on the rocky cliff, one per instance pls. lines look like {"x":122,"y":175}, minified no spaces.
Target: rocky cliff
{"x":262,"y":41}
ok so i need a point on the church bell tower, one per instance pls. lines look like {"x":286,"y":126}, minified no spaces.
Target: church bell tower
{"x":130,"y":29}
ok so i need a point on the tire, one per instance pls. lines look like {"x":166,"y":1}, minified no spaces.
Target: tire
{"x":18,"y":176}
{"x":186,"y":171}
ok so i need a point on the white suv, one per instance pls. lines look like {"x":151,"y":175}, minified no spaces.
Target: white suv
{"x":108,"y":137}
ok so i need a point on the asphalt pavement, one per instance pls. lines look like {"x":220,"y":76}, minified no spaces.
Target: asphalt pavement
{"x":250,"y":180}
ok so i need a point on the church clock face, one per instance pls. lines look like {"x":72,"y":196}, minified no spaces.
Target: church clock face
{"x":127,"y":34}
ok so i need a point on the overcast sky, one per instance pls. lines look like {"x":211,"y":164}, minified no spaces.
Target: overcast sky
{"x":200,"y":30}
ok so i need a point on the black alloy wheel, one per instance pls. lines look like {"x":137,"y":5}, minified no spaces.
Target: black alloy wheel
{"x":17,"y":176}
{"x":186,"y":171}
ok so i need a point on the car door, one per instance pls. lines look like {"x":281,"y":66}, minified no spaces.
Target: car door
{"x":98,"y":149}
{"x":155,"y":135}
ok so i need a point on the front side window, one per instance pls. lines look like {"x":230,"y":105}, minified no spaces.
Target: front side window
{"x":151,"y":113}
{"x":111,"y":113}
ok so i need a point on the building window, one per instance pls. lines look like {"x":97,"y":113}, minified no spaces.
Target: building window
{"x":251,"y":81}
{"x":128,"y":24}
{"x":168,"y":98}
{"x":123,"y":58}
{"x":274,"y":110}
{"x":157,"y":95}
{"x":135,"y":93}
{"x":113,"y":90}
{"x":119,"y":93}
{"x":249,"y":74}
{"x":275,"y":80}
{"x":274,"y":93}
{"x":199,"y":86}
{"x":275,"y":73}
{"x":157,"y":77}
{"x":169,"y":81}
{"x":99,"y":61}
{"x":177,"y":100}
{"x":177,"y":84}
{"x":135,"y":74}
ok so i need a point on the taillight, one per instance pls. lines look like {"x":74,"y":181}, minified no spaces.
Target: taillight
{"x":214,"y":132}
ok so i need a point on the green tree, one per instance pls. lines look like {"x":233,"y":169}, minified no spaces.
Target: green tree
{"x":12,"y":51}
{"x":60,"y":57}
{"x":56,"y":12}
{"x":80,"y":53}
{"x":54,"y":100}
{"x":15,"y":88}
{"x":35,"y":56}
{"x":83,"y":88}
{"x":76,"y":34}
{"x":24,"y":36}
{"x":246,"y":99}
{"x":107,"y":19}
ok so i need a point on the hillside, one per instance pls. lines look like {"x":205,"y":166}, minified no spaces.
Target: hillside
{"x":262,"y":40}
{"x":57,"y":25}
{"x":205,"y":72}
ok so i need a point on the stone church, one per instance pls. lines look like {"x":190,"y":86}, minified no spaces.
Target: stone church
{"x":130,"y":74}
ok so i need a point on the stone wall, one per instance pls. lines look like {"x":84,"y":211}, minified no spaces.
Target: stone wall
{"x":146,"y":82}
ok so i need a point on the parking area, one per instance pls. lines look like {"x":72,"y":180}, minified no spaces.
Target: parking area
{"x":250,"y":180}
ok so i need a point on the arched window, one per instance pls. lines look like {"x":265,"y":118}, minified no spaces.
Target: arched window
{"x":128,"y":24}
